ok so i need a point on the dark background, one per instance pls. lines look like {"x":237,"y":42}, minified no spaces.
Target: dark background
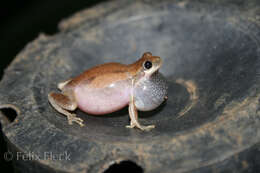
{"x":21,"y":21}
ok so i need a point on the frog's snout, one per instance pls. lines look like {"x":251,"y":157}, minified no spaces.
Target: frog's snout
{"x":158,"y":61}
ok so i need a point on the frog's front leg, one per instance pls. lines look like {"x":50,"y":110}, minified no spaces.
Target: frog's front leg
{"x":134,"y":119}
{"x":134,"y":115}
{"x":63,"y":103}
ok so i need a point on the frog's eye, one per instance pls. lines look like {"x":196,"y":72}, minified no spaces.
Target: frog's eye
{"x":148,"y":65}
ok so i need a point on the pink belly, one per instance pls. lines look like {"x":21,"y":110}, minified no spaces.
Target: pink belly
{"x":99,"y":101}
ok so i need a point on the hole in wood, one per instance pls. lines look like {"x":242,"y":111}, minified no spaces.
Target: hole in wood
{"x":123,"y":166}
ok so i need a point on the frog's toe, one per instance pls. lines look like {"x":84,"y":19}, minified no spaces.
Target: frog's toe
{"x":143,"y":128}
{"x":130,"y":126}
{"x":79,"y":121}
{"x":147,"y":128}
{"x":75,"y":119}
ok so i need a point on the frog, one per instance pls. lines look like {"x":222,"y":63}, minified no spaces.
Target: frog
{"x":109,"y":87}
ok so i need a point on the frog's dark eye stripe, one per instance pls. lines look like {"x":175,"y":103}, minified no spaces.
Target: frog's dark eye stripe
{"x":148,"y":64}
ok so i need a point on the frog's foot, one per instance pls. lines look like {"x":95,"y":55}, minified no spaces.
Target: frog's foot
{"x":147,"y":128}
{"x":130,"y":126}
{"x":144,"y":128}
{"x":64,"y":103}
{"x":73,"y":118}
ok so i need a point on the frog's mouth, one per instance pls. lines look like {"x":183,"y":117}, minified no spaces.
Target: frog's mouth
{"x":150,"y":73}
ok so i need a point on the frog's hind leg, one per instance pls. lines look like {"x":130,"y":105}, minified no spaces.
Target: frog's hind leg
{"x":64,"y":103}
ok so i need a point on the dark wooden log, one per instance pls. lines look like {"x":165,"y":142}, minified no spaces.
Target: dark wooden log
{"x":213,"y":44}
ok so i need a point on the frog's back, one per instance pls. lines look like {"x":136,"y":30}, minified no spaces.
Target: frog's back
{"x":102,"y":89}
{"x":101,"y":75}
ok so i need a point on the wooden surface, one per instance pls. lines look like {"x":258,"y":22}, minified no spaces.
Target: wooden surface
{"x":215,"y":45}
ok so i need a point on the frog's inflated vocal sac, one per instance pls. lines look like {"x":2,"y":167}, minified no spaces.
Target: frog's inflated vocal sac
{"x":109,"y":87}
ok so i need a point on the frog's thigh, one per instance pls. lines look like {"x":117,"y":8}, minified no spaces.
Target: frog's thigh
{"x":63,"y":100}
{"x":64,"y":103}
